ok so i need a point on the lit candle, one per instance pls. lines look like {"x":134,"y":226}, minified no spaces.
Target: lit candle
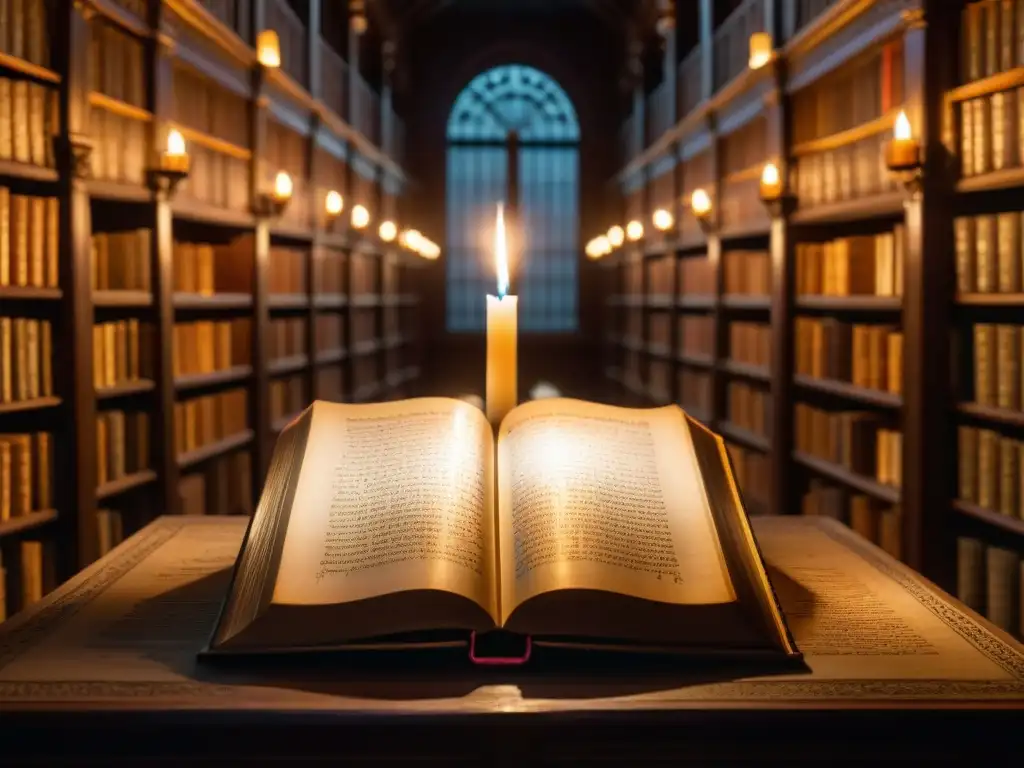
{"x":387,"y":231}
{"x":902,"y":152}
{"x":771,"y":182}
{"x":268,"y":49}
{"x":502,"y":320}
{"x":662,"y":220}
{"x":283,"y":187}
{"x":176,"y":157}
{"x":360,"y":217}
{"x":616,"y":236}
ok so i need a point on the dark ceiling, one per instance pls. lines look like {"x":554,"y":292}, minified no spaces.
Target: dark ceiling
{"x":616,"y":14}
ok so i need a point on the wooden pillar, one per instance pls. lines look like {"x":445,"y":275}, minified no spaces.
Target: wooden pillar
{"x":636,"y":73}
{"x":75,"y":467}
{"x":314,"y":71}
{"x":781,"y":250}
{"x":670,"y":67}
{"x":787,"y":20}
{"x":259,"y":403}
{"x":386,"y":99}
{"x":356,"y":24}
{"x":928,"y":436}
{"x":160,"y":95}
{"x":707,"y":59}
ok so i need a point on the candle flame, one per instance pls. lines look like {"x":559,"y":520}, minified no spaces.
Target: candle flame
{"x":501,"y":252}
{"x":334,"y":202}
{"x":283,"y":186}
{"x":175,"y":143}
{"x":902,"y":128}
{"x":770,"y":174}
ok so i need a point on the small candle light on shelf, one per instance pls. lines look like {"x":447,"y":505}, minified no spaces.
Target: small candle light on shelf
{"x":333,"y":204}
{"x":771,"y":183}
{"x":410,"y":239}
{"x":175,"y":157}
{"x":502,"y":334}
{"x":387,"y":231}
{"x":760,"y":50}
{"x":599,"y":247}
{"x":902,"y":153}
{"x":616,"y":236}
{"x":360,"y":217}
{"x":662,"y":220}
{"x":268,"y":49}
{"x":635,"y":231}
{"x":282,"y":187}
{"x":700,"y":203}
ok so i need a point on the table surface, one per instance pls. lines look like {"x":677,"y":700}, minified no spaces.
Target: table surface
{"x":112,"y":653}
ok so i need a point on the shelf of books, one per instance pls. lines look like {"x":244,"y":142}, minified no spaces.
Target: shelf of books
{"x":150,"y":361}
{"x":983,"y":128}
{"x":885,"y":280}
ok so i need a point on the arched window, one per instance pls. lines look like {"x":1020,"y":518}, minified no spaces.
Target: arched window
{"x":519,"y":98}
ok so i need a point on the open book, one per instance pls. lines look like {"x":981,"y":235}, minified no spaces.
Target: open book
{"x":579,"y":524}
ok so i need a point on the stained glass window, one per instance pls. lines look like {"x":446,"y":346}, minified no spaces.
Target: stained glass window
{"x":523,"y":99}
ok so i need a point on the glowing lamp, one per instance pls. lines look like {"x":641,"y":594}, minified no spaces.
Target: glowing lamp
{"x":771,"y":182}
{"x":616,"y":236}
{"x":268,"y":49}
{"x":662,"y":220}
{"x":387,"y":231}
{"x":635,"y":230}
{"x":360,"y":217}
{"x":760,"y":50}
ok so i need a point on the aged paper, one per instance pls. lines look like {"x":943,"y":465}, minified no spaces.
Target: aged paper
{"x":606,"y":498}
{"x":391,"y":497}
{"x":852,"y":619}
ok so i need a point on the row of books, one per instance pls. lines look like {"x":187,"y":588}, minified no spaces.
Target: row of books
{"x":364,"y":274}
{"x":35,"y":577}
{"x":997,"y":365}
{"x":29,"y":239}
{"x":207,"y":269}
{"x":221,"y":487}
{"x":26,"y":359}
{"x":863,"y":265}
{"x":989,"y":134}
{"x":695,"y":393}
{"x":989,"y":468}
{"x":122,"y":351}
{"x":853,"y":96}
{"x":121,"y":261}
{"x":876,"y":522}
{"x":330,"y":331}
{"x":869,"y":356}
{"x":697,"y":276}
{"x":287,"y":397}
{"x":364,"y":325}
{"x":862,"y":442}
{"x":747,"y":272}
{"x":331,"y":277}
{"x":750,"y":343}
{"x":117,"y":70}
{"x":365,"y":372}
{"x":215,"y":178}
{"x":122,"y":444}
{"x":697,"y":335}
{"x":200,"y":421}
{"x":988,"y":253}
{"x":990,"y":580}
{"x":288,"y":335}
{"x":206,"y":346}
{"x":287,"y":270}
{"x":109,"y":529}
{"x":28,"y":121}
{"x":330,"y":383}
{"x":25,"y":33}
{"x":659,"y":380}
{"x":749,"y":407}
{"x":26,"y":474}
{"x":752,"y":470}
{"x":660,"y":276}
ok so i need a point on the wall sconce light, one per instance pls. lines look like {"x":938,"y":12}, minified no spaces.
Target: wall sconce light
{"x":771,"y":183}
{"x":663,"y":220}
{"x":430,"y":250}
{"x":273,"y":203}
{"x":357,"y":16}
{"x":760,"y":50}
{"x":334,"y":203}
{"x":387,"y":231}
{"x":268,"y":49}
{"x":903,"y":153}
{"x":598,"y":247}
{"x":174,"y":163}
{"x":635,"y":231}
{"x":410,"y":239}
{"x":700,"y":204}
{"x":616,"y":236}
{"x":360,"y":217}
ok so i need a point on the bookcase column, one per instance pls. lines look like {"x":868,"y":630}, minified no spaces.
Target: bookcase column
{"x":259,"y":407}
{"x":928,"y":532}
{"x":76,"y":468}
{"x":707,"y":59}
{"x":714,"y":255}
{"x":315,"y":76}
{"x":636,"y":74}
{"x":356,"y":27}
{"x":160,"y":94}
{"x":781,"y":252}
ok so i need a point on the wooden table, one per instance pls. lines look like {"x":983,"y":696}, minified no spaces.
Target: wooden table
{"x":105,"y":669}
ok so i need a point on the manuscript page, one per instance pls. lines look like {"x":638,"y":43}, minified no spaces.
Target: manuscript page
{"x":392,"y":497}
{"x":606,"y":498}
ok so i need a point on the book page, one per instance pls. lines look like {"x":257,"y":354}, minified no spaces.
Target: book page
{"x":606,"y":498}
{"x":392,"y":497}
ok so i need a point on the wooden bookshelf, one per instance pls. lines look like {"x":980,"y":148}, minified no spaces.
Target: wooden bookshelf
{"x":821,"y":111}
{"x":112,"y":288}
